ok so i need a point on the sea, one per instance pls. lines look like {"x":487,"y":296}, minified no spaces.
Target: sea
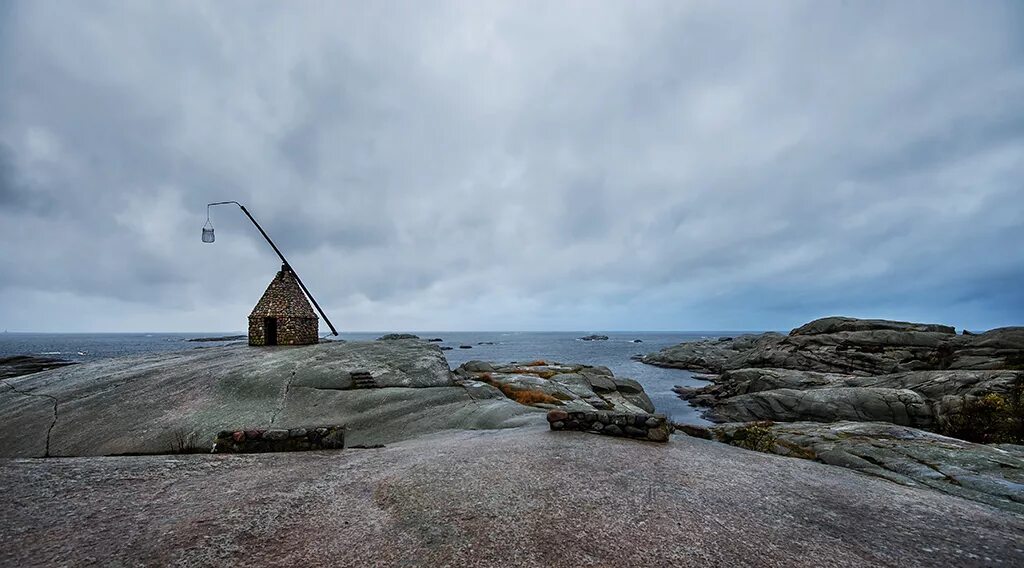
{"x":498,"y":346}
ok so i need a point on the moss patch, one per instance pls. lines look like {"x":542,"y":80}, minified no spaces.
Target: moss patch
{"x":755,"y":436}
{"x":990,"y":419}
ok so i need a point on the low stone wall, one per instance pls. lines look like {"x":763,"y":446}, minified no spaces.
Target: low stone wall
{"x":653,"y":427}
{"x":280,"y":440}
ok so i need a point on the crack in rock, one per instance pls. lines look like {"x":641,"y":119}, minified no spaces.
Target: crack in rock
{"x":53,"y":399}
{"x":284,"y":398}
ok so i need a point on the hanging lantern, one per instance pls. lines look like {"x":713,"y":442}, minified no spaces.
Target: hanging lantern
{"x":208,"y":228}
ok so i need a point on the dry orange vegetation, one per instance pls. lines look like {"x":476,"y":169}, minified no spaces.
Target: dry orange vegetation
{"x":545,"y":374}
{"x":522,"y":396}
{"x":537,"y":363}
{"x":530,"y":397}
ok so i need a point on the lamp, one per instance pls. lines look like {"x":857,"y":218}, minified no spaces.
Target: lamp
{"x":209,"y":238}
{"x":208,"y":227}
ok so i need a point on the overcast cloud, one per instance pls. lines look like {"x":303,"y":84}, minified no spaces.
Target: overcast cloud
{"x":516,"y":165}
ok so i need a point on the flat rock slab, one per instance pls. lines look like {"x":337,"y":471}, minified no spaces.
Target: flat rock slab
{"x":988,"y":473}
{"x":19,"y":365}
{"x":145,"y":404}
{"x":523,"y":497}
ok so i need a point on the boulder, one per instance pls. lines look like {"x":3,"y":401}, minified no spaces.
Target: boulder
{"x":575,"y":388}
{"x":869,"y":404}
{"x":397,"y":337}
{"x":477,"y":367}
{"x":627,"y":386}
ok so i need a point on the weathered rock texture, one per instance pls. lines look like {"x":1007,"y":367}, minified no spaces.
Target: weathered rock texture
{"x":923,"y":399}
{"x":921,"y":375}
{"x":548,"y":385}
{"x":101,"y":408}
{"x":652,"y":427}
{"x":258,"y":440}
{"x":870,"y":383}
{"x":397,"y":336}
{"x":283,"y":315}
{"x":27,"y":364}
{"x":523,"y":497}
{"x":851,"y":346}
{"x":989,"y":474}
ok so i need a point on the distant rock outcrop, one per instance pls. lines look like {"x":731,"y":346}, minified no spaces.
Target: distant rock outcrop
{"x":27,"y":364}
{"x":213,"y":339}
{"x":397,"y":337}
{"x":847,"y":345}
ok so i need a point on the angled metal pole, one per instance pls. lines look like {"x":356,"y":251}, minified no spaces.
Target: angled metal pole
{"x":283,"y":259}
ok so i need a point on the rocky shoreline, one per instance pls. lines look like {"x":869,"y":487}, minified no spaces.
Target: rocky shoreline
{"x":465,"y":458}
{"x":949,"y":408}
{"x":381,"y":391}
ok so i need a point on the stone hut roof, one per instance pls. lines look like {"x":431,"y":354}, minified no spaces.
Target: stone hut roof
{"x":283,"y":298}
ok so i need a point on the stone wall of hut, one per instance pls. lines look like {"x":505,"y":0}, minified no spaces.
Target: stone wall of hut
{"x":290,"y":331}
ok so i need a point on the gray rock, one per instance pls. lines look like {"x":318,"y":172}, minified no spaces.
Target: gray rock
{"x":444,"y":501}
{"x":601,"y":383}
{"x":837,"y":324}
{"x":613,"y":430}
{"x":276,"y":434}
{"x":477,"y":367}
{"x":397,"y":337}
{"x":870,"y":404}
{"x":595,"y":338}
{"x":635,"y":432}
{"x":229,"y":387}
{"x":993,"y":475}
{"x":628,"y":386}
{"x":481,"y":391}
{"x":850,"y":346}
{"x":217,"y":339}
{"x":578,"y":387}
{"x":19,"y":365}
{"x":944,"y":392}
{"x":576,"y":383}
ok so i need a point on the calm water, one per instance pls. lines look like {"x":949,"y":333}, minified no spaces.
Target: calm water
{"x":564,"y":347}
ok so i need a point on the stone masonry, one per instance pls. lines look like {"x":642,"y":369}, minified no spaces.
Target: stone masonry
{"x":280,"y":440}
{"x":283,"y":315}
{"x":652,"y":427}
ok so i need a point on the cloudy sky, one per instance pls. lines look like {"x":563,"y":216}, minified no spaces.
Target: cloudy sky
{"x":513,"y":166}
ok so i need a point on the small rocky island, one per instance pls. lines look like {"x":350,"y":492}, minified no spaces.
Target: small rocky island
{"x":913,"y":403}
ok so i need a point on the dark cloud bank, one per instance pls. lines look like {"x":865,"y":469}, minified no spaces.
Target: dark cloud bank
{"x":610,"y":165}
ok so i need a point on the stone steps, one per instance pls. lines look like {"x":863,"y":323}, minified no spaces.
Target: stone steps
{"x":363,"y":380}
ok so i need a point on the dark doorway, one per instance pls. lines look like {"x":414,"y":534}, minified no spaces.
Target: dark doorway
{"x":270,"y":330}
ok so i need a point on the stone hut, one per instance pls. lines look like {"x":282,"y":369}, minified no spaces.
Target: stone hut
{"x":283,"y":315}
